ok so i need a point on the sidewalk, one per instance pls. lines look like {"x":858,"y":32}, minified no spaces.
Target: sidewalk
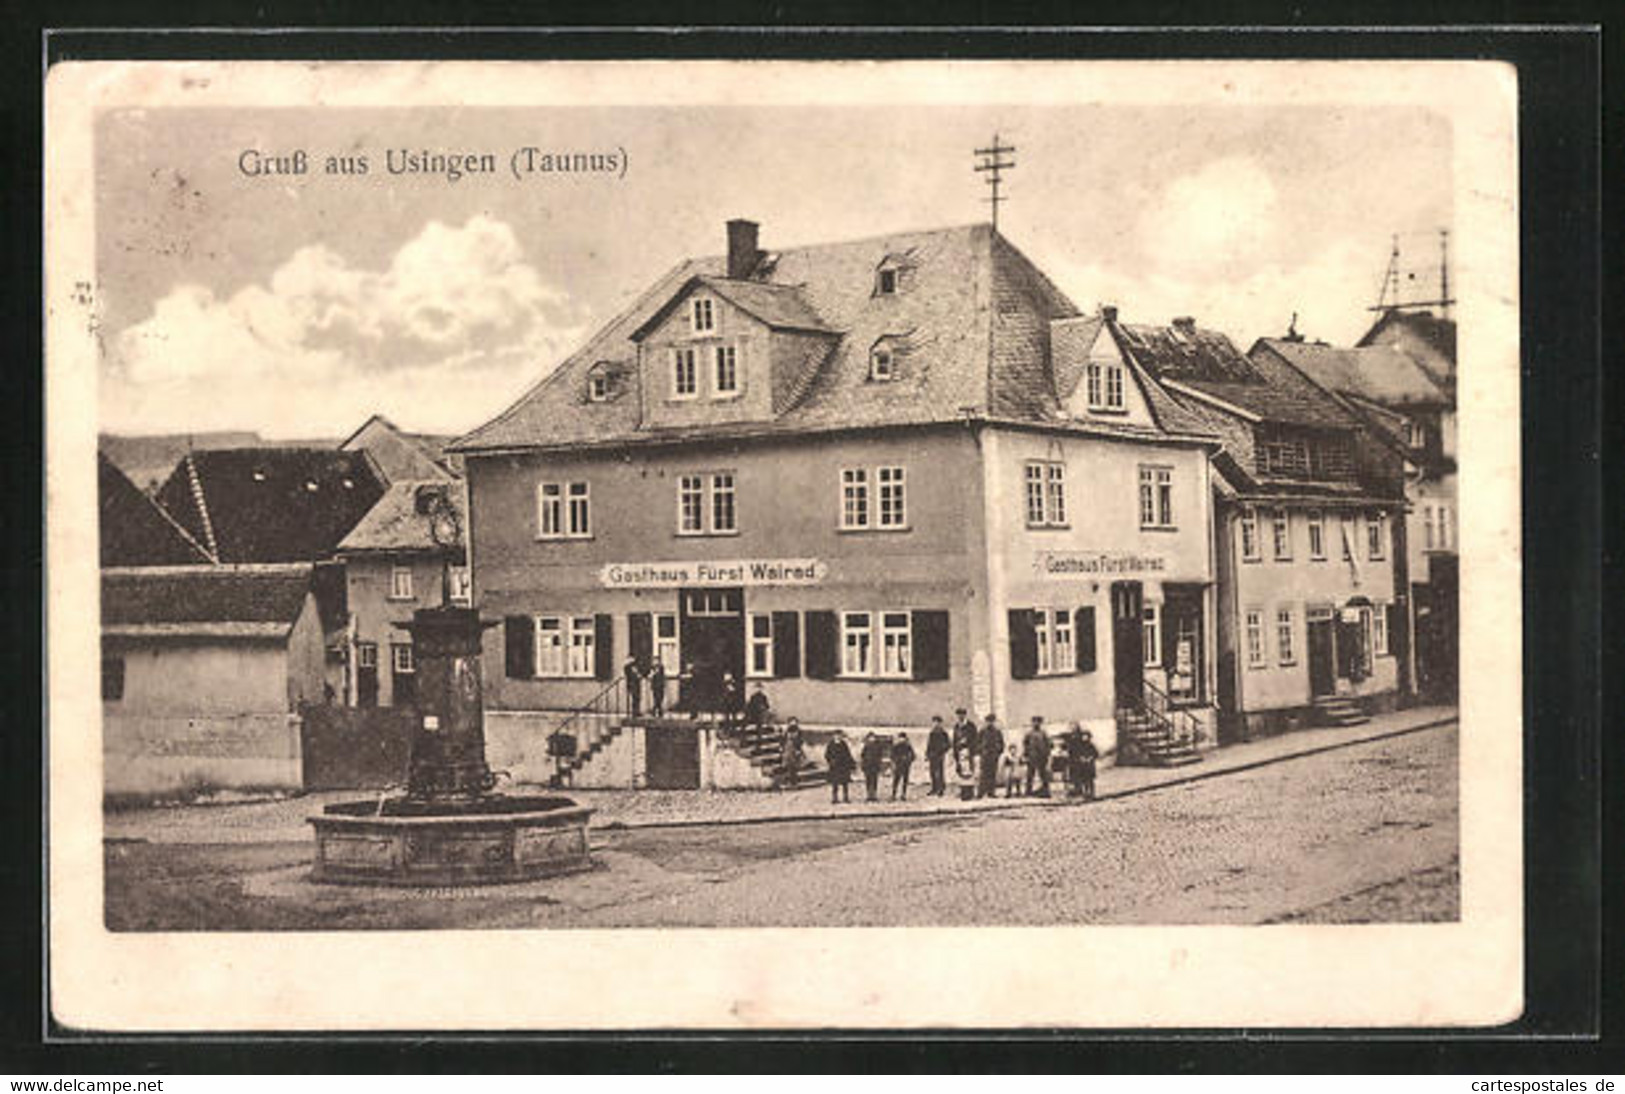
{"x":284,"y":821}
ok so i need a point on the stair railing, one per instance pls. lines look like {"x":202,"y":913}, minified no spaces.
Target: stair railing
{"x":606,"y":709}
{"x":1181,"y":724}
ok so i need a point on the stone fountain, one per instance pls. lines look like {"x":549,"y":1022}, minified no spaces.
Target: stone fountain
{"x":450,"y":827}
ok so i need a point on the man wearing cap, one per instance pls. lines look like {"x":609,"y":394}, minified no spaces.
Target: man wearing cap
{"x":964,"y":743}
{"x":937,"y":747}
{"x":989,"y":747}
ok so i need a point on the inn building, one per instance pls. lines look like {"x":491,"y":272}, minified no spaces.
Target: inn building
{"x":885,"y":478}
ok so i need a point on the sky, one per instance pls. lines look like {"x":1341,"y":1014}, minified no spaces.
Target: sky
{"x":298,"y":305}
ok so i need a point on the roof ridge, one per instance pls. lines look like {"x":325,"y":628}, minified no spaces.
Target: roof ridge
{"x":202,"y":502}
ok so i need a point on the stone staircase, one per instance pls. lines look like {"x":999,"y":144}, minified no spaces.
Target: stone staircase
{"x":1146,"y":740}
{"x":764,"y":749}
{"x":1337,"y":711}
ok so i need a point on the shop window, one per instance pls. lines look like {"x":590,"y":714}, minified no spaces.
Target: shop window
{"x":400,"y":583}
{"x":1249,"y":535}
{"x":112,"y":679}
{"x":1045,"y":493}
{"x":1151,"y":635}
{"x":1315,"y":520}
{"x":1281,"y":529}
{"x":759,"y":661}
{"x":1255,"y":638}
{"x":1156,"y":497}
{"x":1285,"y":653}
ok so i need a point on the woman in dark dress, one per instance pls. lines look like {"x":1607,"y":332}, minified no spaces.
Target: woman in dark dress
{"x":838,"y":758}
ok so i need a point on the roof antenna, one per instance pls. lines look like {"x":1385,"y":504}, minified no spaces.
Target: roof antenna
{"x":993,"y":162}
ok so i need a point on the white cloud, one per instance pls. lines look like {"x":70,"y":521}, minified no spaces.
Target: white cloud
{"x":1215,"y":219}
{"x":457,"y":314}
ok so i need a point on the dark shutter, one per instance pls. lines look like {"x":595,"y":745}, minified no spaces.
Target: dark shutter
{"x":823,"y":646}
{"x":1397,"y":637}
{"x":520,"y":634}
{"x":1172,"y":612}
{"x":603,"y":647}
{"x":1023,"y":644}
{"x":640,"y":639}
{"x":786,"y":644}
{"x":1083,"y":633}
{"x":930,"y":641}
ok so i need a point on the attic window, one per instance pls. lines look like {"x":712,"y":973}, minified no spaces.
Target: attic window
{"x":598,"y":387}
{"x":703,"y":317}
{"x":882,"y":363}
{"x":887,"y":283}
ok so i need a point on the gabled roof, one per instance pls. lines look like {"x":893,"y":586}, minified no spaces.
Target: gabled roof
{"x":218,"y":601}
{"x":1437,"y":331}
{"x":974,"y":310}
{"x":395,"y":524}
{"x":1208,"y":362}
{"x":134,"y":530}
{"x":1380,"y":373}
{"x":400,"y":456}
{"x":271,"y":504}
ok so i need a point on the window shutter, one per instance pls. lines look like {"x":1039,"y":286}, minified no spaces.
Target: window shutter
{"x":1170,"y":632}
{"x":520,"y":634}
{"x":640,"y":638}
{"x":786,"y":644}
{"x":1083,"y":633}
{"x":823,"y":646}
{"x":930,"y":641}
{"x":603,"y":647}
{"x":1023,"y":645}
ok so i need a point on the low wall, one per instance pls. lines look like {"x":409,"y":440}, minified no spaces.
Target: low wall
{"x":167,"y":754}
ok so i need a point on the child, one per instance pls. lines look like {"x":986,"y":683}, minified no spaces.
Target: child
{"x":1010,"y":771}
{"x":1087,"y":755}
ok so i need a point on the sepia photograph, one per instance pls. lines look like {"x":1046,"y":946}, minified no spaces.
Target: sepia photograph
{"x":745,"y":517}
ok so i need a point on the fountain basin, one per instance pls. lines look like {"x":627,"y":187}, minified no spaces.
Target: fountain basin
{"x":482,"y":840}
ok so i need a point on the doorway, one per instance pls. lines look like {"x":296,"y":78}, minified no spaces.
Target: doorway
{"x":711,"y":623}
{"x":1128,"y":643}
{"x":1322,"y":654}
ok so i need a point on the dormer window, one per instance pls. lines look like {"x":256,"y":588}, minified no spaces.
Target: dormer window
{"x":893,"y":275}
{"x":703,"y":316}
{"x":1103,"y":382}
{"x":1415,"y":433}
{"x":598,"y":387}
{"x":882,"y":364}
{"x":888,"y":283}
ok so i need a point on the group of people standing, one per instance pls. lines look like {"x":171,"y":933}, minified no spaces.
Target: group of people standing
{"x":981,"y":757}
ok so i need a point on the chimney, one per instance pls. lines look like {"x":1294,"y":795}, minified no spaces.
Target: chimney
{"x":1108,"y":312}
{"x":742,"y":252}
{"x":1184,"y":323}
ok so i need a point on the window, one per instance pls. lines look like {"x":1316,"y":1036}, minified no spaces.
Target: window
{"x":400,"y":583}
{"x":549,"y":645}
{"x":894,"y":643}
{"x":1285,"y":457}
{"x":854,"y":498}
{"x":366,"y":655}
{"x":1415,"y":433}
{"x":1429,"y":536}
{"x":1283,"y":636}
{"x":462,"y":585}
{"x":760,"y":659}
{"x":893,"y":513}
{"x":685,"y":376}
{"x":563,"y":511}
{"x":1316,"y":520}
{"x":112,"y":679}
{"x":693,"y":508}
{"x":727,"y":371}
{"x":1156,"y":497}
{"x":1103,"y":385}
{"x":702,"y":315}
{"x":886,"y":283}
{"x":1151,"y":635}
{"x":1379,"y":629}
{"x":1446,"y":528}
{"x":598,"y":387}
{"x":1376,"y":531}
{"x":1056,"y":651}
{"x":857,"y":644}
{"x":401,"y":660}
{"x":881,"y":363}
{"x":1249,"y":535}
{"x":666,"y":646}
{"x":1255,"y":638}
{"x":581,"y":648}
{"x":1283,"y":534}
{"x":1046,"y":493}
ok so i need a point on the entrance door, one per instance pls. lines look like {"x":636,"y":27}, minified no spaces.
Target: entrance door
{"x":1128,"y":642}
{"x":1322,"y":656}
{"x":366,"y":674}
{"x":712,"y":627}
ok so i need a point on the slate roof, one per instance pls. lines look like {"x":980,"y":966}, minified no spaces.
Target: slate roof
{"x":396,"y":525}
{"x":779,"y":306}
{"x":974,"y":313}
{"x":271,"y":504}
{"x":223,"y":601}
{"x":1209,"y":362}
{"x":1380,"y":373}
{"x":398,"y":455}
{"x":134,"y":531}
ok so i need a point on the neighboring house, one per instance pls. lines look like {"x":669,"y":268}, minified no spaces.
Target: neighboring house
{"x":204,"y":669}
{"x":885,"y":478}
{"x":133,"y":530}
{"x":1401,"y":382}
{"x":392,"y":568}
{"x":401,"y":456}
{"x":279,"y":505}
{"x":1305,"y":534}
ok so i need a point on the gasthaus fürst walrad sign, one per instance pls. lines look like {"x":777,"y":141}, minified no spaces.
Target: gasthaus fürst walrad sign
{"x":1095,"y":563}
{"x":737,"y":571}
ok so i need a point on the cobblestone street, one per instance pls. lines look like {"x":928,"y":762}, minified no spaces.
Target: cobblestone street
{"x":1360,"y":833}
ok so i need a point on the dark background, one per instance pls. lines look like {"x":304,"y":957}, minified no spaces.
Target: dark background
{"x":1566,"y":438}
